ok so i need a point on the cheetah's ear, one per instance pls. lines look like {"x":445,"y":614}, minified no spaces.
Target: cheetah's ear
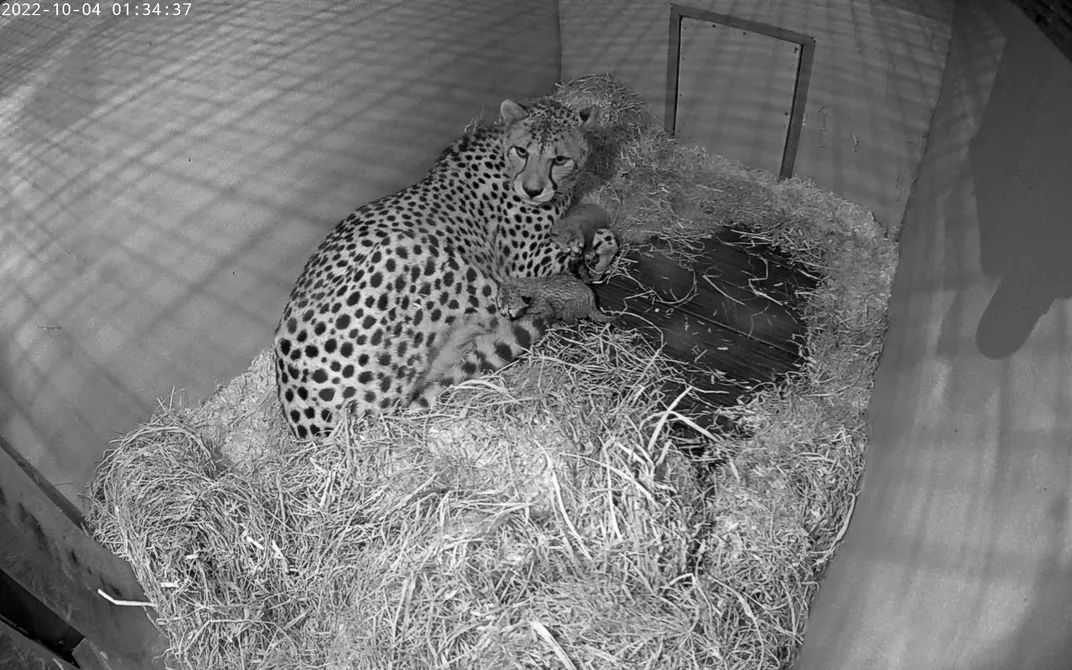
{"x":511,"y":111}
{"x":589,"y":116}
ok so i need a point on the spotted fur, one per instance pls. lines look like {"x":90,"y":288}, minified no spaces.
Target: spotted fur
{"x":400,"y":299}
{"x":561,"y":297}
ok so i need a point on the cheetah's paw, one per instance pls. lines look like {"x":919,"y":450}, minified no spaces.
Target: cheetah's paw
{"x":569,"y":239}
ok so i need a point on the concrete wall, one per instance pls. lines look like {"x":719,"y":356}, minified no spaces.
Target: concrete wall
{"x":959,"y":555}
{"x":163,"y":179}
{"x":878,"y":67}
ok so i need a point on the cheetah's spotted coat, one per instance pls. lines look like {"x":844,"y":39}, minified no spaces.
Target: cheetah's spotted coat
{"x":401,"y":298}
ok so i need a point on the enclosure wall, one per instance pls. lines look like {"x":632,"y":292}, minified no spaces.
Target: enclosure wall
{"x":959,"y":555}
{"x":873,"y":86}
{"x":165,"y":178}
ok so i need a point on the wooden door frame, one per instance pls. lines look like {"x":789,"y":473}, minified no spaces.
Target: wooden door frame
{"x":800,"y":88}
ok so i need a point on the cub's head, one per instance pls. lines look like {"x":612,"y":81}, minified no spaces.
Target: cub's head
{"x":545,"y":147}
{"x":512,"y":300}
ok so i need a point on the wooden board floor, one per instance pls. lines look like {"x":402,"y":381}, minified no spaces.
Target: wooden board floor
{"x":731,"y":313}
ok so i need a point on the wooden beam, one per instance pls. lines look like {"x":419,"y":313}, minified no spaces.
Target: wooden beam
{"x":63,"y":568}
{"x":17,"y":652}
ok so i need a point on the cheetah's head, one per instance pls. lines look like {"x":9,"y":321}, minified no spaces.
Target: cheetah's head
{"x":545,"y":147}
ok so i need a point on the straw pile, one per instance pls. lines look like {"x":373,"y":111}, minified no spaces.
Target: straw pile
{"x":540,"y":517}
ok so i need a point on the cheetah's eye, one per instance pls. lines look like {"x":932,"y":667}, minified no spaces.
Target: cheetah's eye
{"x":560,"y":160}
{"x":519,"y":152}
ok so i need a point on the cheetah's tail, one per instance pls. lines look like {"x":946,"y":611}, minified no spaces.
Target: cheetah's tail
{"x":505,"y":342}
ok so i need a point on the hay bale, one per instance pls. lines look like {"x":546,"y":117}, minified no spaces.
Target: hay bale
{"x":542,"y":516}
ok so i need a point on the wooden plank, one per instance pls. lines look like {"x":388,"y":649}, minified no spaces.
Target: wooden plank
{"x":18,"y":652}
{"x":736,"y":289}
{"x":731,"y":313}
{"x":60,"y":500}
{"x":62,"y":567}
{"x":739,"y":286}
{"x":743,"y":361}
{"x":89,"y":658}
{"x":21,"y":609}
{"x":764,"y":266}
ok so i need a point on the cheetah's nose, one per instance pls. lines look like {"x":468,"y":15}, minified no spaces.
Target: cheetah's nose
{"x":533,"y":192}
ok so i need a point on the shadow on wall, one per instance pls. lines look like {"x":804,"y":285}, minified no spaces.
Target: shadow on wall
{"x":958,"y":554}
{"x":163,"y":180}
{"x":1023,"y":190}
{"x":1020,"y":162}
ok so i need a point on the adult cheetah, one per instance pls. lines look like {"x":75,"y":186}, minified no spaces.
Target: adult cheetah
{"x":400,"y":299}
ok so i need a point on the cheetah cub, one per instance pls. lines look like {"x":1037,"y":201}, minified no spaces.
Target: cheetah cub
{"x":562,"y":297}
{"x":582,"y":222}
{"x":578,"y":224}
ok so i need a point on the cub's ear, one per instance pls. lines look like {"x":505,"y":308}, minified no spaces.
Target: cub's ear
{"x":589,"y":116}
{"x":511,"y":111}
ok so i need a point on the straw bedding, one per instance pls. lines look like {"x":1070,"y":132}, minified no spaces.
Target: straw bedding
{"x":541,"y":517}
